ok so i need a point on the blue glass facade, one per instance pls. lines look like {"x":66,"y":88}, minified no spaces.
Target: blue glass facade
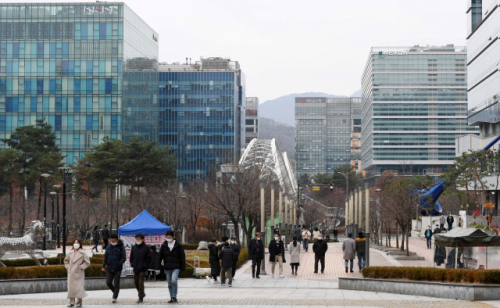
{"x":64,"y":63}
{"x":201,"y":116}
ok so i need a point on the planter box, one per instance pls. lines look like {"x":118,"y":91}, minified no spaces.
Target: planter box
{"x":24,"y":286}
{"x":470,"y":292}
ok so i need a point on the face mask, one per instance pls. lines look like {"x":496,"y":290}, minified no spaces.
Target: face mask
{"x":76,"y":246}
{"x":233,"y":242}
{"x":114,"y":244}
{"x":320,"y":239}
{"x":170,"y":240}
{"x":138,"y":243}
{"x":258,"y":239}
{"x":276,"y":238}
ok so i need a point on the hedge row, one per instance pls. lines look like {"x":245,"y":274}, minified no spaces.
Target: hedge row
{"x":96,"y":259}
{"x":190,"y":246}
{"x":433,"y":274}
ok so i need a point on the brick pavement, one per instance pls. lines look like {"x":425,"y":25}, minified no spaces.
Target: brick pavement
{"x":334,"y":264}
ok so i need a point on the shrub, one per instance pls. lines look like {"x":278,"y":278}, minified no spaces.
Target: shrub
{"x":96,"y":259}
{"x":190,"y":246}
{"x":55,"y":271}
{"x":433,"y":274}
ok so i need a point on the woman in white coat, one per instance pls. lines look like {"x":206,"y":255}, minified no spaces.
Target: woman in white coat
{"x":76,"y":262}
{"x":294,"y":249}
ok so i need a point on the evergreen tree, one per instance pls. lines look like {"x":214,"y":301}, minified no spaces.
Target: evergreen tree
{"x":9,"y":172}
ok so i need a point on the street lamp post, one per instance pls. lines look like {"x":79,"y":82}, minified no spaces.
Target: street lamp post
{"x":58,"y":231}
{"x":379,"y":236}
{"x":346,"y":175}
{"x":262,"y":227}
{"x":65,"y":175}
{"x":53,"y":194}
{"x":44,"y":176}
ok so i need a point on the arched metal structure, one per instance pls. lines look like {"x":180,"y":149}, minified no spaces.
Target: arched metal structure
{"x":266,"y":152}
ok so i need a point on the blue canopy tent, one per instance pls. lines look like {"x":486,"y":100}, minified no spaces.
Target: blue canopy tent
{"x":144,"y":223}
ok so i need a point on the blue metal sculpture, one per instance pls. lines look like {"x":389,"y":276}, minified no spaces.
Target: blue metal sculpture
{"x":429,"y":204}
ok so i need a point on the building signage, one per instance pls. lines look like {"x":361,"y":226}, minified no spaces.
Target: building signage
{"x":105,"y":9}
{"x":383,"y":54}
{"x":311,"y":100}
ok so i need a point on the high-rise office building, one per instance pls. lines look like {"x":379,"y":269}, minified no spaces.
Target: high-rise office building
{"x":251,"y":119}
{"x":327,"y":134}
{"x":201,"y":110}
{"x":414,"y":105}
{"x":64,"y":62}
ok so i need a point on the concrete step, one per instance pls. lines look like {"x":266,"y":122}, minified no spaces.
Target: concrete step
{"x":401,"y":253}
{"x":405,"y":258}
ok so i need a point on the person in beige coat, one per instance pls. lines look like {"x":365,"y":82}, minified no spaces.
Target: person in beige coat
{"x":76,"y":262}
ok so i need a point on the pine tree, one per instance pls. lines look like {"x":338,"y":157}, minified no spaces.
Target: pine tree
{"x":9,"y":171}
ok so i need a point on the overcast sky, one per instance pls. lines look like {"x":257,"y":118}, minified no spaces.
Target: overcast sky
{"x":294,"y":46}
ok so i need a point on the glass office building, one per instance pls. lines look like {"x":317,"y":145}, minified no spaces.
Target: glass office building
{"x":251,"y":119}
{"x":327,"y":134}
{"x":64,"y":62}
{"x":414,"y":104}
{"x":201,"y":114}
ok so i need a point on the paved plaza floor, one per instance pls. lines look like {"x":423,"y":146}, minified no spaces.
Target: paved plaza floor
{"x":305,"y":290}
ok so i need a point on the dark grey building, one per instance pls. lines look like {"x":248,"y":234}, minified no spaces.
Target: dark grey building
{"x":327,"y":134}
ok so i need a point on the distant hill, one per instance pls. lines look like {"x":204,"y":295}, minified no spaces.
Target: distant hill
{"x":282,"y":109}
{"x":283,"y":133}
{"x":356,"y":94}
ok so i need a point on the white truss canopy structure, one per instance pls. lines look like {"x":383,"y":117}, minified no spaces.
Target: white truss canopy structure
{"x":266,"y":152}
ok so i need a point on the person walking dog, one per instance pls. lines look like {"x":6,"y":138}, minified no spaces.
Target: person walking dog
{"x":75,"y":263}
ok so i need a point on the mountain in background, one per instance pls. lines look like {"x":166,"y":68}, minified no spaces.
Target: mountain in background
{"x":356,"y":94}
{"x":283,"y":133}
{"x":282,"y":109}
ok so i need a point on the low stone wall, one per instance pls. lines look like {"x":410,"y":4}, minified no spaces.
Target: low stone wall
{"x":24,"y":286}
{"x":471,"y":292}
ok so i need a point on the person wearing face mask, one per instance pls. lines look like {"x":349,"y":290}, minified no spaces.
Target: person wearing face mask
{"x":140,"y":256}
{"x":277,"y":254}
{"x":428,"y":237}
{"x":236,"y":250}
{"x":319,"y":248}
{"x":294,"y":249}
{"x":174,"y":260}
{"x":226,"y":256}
{"x":75,"y":263}
{"x":112,"y":265}
{"x":256,"y":254}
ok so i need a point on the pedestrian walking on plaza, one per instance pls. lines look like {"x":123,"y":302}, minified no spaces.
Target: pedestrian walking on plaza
{"x":428,"y":237}
{"x":277,"y":254}
{"x":226,"y":256}
{"x":335,"y":235}
{"x":319,"y":248}
{"x":75,"y":263}
{"x":174,"y":260}
{"x":460,"y":221}
{"x":306,"y":235}
{"x":490,"y":219}
{"x":327,"y":235}
{"x":105,"y":236}
{"x":112,"y":265}
{"x":442,"y":220}
{"x":436,"y":230}
{"x":140,"y":257}
{"x":276,"y":229}
{"x":298,"y":234}
{"x":294,"y":249}
{"x":213,"y":259}
{"x":349,"y":249}
{"x":87,"y":237}
{"x":361,"y":250}
{"x":236,"y":250}
{"x":95,"y":238}
{"x":256,"y":254}
{"x":450,"y":220}
{"x":316,"y":234}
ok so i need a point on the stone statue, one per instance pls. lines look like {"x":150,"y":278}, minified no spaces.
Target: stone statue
{"x":25,"y":244}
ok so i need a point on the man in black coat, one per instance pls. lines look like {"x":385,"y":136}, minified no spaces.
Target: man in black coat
{"x":226,"y":256}
{"x":174,"y":260}
{"x":114,"y":257}
{"x":256,"y":254}
{"x":450,"y":220}
{"x":319,"y":248}
{"x":335,"y":234}
{"x":277,"y":254}
{"x":140,"y":257}
{"x":105,"y":236}
{"x":276,"y":229}
{"x":236,"y":251}
{"x":213,"y":259}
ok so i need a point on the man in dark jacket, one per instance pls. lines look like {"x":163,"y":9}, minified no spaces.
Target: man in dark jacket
{"x":174,"y":260}
{"x":140,"y":257}
{"x":335,"y":234}
{"x":226,"y":256}
{"x":298,"y":234}
{"x":437,"y":230}
{"x":213,"y":258}
{"x":277,"y":254}
{"x":450,"y":220}
{"x":360,"y":250}
{"x":256,"y":254}
{"x":114,"y":257}
{"x":276,"y":229}
{"x":319,"y":248}
{"x":236,"y":250}
{"x":105,"y":236}
{"x":428,"y":237}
